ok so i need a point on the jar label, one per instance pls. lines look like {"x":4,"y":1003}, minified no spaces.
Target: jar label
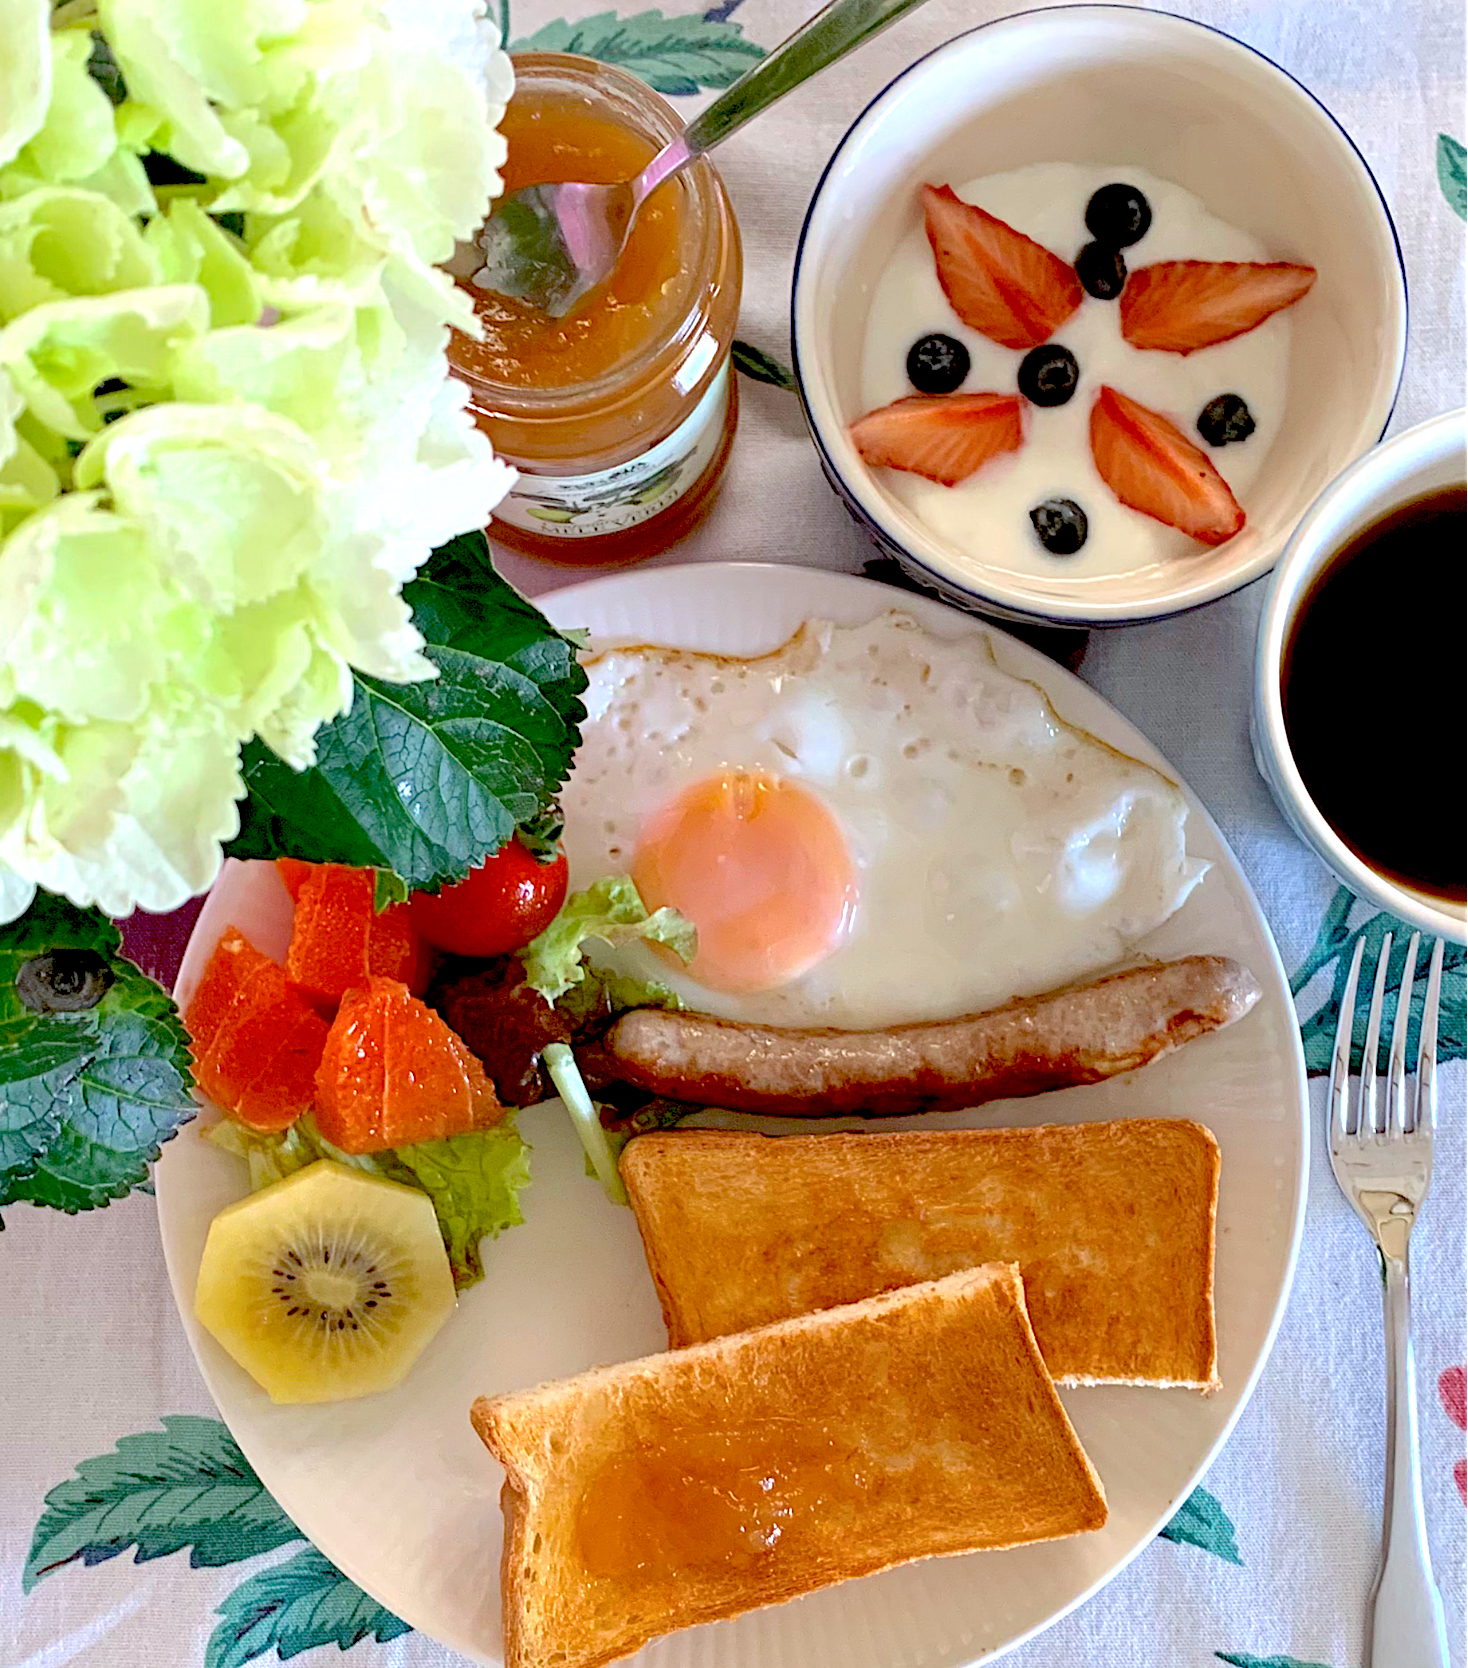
{"x":612,"y":500}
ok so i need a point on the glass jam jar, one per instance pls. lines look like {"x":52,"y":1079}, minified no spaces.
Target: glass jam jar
{"x":619,"y":416}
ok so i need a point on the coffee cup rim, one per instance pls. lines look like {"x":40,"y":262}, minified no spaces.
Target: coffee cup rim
{"x":1416,"y":462}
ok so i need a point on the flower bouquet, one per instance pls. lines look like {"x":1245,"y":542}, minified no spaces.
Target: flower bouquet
{"x":239,"y":610}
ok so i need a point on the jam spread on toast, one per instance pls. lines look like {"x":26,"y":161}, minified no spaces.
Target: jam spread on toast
{"x":698,"y":1498}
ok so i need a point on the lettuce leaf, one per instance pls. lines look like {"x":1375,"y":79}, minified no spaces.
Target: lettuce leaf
{"x":611,"y":911}
{"x":561,"y":1068}
{"x":473,"y":1180}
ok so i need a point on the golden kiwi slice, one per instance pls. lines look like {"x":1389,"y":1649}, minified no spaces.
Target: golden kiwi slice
{"x":326,"y":1285}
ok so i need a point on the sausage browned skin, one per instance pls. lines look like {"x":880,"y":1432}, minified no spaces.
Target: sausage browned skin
{"x":1078,"y":1035}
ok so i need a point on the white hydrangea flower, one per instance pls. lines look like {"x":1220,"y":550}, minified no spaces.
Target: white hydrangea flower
{"x":221,"y":456}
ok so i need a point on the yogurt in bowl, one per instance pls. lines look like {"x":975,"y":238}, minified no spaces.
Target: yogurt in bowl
{"x":1238,"y":164}
{"x":991,"y":517}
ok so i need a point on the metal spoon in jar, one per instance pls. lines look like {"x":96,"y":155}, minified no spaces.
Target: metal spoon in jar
{"x":549,"y":245}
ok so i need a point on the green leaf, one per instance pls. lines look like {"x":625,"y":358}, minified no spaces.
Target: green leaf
{"x":474,"y":1181}
{"x":187,"y":1485}
{"x":425,"y":780}
{"x":608,"y":910}
{"x":1200,"y":1521}
{"x":1333,"y":931}
{"x":1335,"y":944}
{"x":86,"y":1098}
{"x":1240,"y":1660}
{"x":676,"y":55}
{"x":760,"y":367}
{"x":1452,"y":173}
{"x":298,"y":1605}
{"x":388,"y":889}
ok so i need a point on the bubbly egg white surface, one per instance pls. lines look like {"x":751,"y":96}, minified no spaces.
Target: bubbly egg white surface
{"x":998,"y":851}
{"x":987,"y":517}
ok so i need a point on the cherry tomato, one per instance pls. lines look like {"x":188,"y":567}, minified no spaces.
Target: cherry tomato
{"x":496,"y":908}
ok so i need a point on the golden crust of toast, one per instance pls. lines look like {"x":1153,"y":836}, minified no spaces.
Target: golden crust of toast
{"x":1111,"y":1224}
{"x":937,"y":1428}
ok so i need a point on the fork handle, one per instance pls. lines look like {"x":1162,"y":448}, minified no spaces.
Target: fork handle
{"x":1405,"y":1619}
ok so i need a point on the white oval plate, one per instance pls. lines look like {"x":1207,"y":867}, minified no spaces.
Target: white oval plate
{"x":397,"y":1491}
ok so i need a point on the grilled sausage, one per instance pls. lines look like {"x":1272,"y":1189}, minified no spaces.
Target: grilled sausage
{"x":1078,"y":1035}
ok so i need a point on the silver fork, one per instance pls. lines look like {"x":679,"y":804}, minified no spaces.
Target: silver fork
{"x":1385,"y":1169}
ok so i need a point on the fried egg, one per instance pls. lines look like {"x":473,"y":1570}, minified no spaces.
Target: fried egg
{"x":870,"y":825}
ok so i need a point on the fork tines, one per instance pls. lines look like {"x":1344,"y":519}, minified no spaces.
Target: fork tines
{"x":1400,"y":1118}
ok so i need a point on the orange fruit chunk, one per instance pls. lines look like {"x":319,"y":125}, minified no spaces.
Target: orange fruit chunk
{"x":256,"y":1039}
{"x":234,"y":962}
{"x":339,"y":939}
{"x":393,"y":1073}
{"x":293,"y":872}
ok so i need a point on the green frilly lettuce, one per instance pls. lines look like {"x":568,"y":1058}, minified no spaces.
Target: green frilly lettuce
{"x":609,"y":911}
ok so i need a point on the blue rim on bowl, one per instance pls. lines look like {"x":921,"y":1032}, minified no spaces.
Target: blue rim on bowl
{"x":998,"y":593}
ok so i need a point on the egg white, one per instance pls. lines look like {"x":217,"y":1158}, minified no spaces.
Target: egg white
{"x":998,"y":851}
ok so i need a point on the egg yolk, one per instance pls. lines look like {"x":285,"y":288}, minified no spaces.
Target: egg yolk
{"x":759,"y":866}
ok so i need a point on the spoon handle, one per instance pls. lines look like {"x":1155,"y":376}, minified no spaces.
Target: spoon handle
{"x":829,"y":35}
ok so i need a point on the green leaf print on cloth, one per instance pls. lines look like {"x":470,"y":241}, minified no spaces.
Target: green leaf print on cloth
{"x":759,"y":366}
{"x":1334,"y":945}
{"x":292,"y":1606}
{"x":1239,"y":1660}
{"x":1452,"y":173}
{"x":188,"y":1486}
{"x":675,"y":55}
{"x":1201,"y":1521}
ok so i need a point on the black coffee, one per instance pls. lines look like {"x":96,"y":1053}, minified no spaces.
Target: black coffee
{"x":1375,"y":692}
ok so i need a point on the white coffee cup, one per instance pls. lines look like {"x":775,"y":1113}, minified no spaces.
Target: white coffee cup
{"x":1419,"y":461}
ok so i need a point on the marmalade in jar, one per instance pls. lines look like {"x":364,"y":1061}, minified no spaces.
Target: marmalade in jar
{"x":619,"y":416}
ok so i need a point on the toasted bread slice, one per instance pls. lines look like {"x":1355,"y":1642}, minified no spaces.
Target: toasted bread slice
{"x":1111,"y":1225}
{"x":693,"y":1486}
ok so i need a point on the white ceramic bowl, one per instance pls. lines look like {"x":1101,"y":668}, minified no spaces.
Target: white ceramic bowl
{"x":1113,"y":84}
{"x":1415,"y":462}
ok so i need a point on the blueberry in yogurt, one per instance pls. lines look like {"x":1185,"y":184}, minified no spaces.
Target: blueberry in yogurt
{"x":1102,"y":271}
{"x":1060,"y":525}
{"x":1118,"y":216}
{"x":1048,"y":374}
{"x":937,"y":364}
{"x":1225,"y":419}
